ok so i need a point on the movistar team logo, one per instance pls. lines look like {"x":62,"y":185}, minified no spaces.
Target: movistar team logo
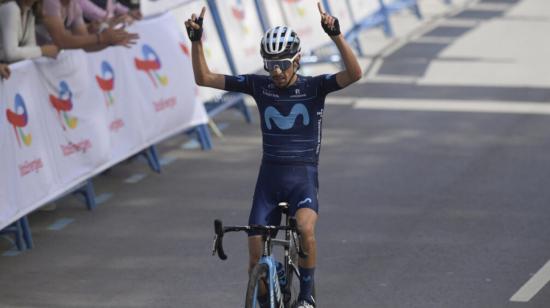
{"x":286,"y":122}
{"x":151,"y":65}
{"x":19,"y":118}
{"x":63,"y":104}
{"x":106,"y":82}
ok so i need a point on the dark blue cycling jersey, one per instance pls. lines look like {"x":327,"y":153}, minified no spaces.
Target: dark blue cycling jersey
{"x":291,"y":118}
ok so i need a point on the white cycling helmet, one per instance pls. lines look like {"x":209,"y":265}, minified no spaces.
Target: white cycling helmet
{"x":279,"y":42}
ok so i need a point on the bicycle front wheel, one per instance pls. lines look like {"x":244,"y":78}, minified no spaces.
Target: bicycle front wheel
{"x":258,"y":279}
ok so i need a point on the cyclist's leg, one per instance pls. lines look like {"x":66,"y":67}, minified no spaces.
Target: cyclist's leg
{"x":307,"y":219}
{"x":264,"y":212}
{"x":305,"y":208}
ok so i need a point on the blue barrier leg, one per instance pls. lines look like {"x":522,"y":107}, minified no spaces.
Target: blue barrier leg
{"x":385,"y":19}
{"x":387,"y":26}
{"x":357,"y":44}
{"x":203,"y":135}
{"x":87,"y":191}
{"x":152,"y":158}
{"x":27,"y":236}
{"x":18,"y":234}
{"x":16,"y":230}
{"x":416,"y":10}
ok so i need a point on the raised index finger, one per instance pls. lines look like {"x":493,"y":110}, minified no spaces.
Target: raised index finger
{"x":320,"y":8}
{"x":202,"y":12}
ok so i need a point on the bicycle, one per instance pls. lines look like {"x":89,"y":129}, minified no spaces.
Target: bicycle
{"x":265,"y":271}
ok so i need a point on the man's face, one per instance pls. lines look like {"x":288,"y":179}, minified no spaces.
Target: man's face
{"x":281,"y":78}
{"x":282,"y":71}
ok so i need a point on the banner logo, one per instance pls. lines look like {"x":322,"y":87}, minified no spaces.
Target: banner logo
{"x":287,"y":122}
{"x":298,"y":7}
{"x":62,"y":103}
{"x":151,"y":65}
{"x":238,"y":10}
{"x":19,"y":118}
{"x":185,"y":49}
{"x":106,"y":82}
{"x":239,"y":13}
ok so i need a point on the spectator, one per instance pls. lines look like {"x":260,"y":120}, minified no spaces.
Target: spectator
{"x":65,"y":27}
{"x":104,"y":10}
{"x":17,"y":31}
{"x":4,"y":71}
{"x":131,"y":4}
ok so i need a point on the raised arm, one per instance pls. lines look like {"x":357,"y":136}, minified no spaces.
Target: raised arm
{"x":352,"y":71}
{"x":203,"y":76}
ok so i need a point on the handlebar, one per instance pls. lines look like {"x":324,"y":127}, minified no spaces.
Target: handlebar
{"x":220,"y":230}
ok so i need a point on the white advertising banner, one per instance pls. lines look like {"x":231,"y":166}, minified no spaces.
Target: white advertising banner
{"x":363,"y":8}
{"x":244,"y":31}
{"x":304,"y":17}
{"x":211,"y":43}
{"x":341,"y":10}
{"x":30,"y":171}
{"x":274,"y":12}
{"x":8,"y":208}
{"x":163,"y":79}
{"x":75,"y":118}
{"x":63,"y":121}
{"x":113,"y":97}
{"x":156,"y":7}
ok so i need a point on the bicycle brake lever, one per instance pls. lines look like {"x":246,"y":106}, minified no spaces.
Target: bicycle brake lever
{"x":215,"y":244}
{"x":218,"y":239}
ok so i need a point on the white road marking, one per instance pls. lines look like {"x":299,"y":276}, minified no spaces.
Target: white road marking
{"x":533,"y":285}
{"x":134,"y":178}
{"x":335,"y":100}
{"x":453,"y":106}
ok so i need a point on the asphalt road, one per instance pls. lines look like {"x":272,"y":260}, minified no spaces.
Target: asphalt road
{"x":433,"y":190}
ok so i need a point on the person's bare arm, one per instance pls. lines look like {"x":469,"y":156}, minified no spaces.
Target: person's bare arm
{"x":65,"y":39}
{"x":4,"y":71}
{"x":79,"y":38}
{"x":203,"y":76}
{"x":352,"y":71}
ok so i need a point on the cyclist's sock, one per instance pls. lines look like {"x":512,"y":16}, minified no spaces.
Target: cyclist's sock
{"x":306,"y":284}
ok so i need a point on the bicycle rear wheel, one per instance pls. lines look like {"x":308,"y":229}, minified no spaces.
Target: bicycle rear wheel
{"x":292,"y":288}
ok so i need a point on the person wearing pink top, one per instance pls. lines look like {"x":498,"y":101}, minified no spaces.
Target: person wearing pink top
{"x":65,"y":26}
{"x":101,"y":13}
{"x":94,"y":12}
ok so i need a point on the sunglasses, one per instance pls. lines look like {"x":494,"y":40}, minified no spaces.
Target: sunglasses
{"x":282,"y":64}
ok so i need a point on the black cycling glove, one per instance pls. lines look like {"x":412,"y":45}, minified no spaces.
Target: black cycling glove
{"x":335,"y":30}
{"x":195,"y":34}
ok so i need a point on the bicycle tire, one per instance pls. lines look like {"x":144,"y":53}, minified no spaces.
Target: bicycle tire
{"x":259,"y":272}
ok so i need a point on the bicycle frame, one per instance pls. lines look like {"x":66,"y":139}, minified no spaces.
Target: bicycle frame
{"x":291,"y":240}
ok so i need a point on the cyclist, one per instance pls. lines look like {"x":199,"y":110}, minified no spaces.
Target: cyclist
{"x":291,"y":108}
